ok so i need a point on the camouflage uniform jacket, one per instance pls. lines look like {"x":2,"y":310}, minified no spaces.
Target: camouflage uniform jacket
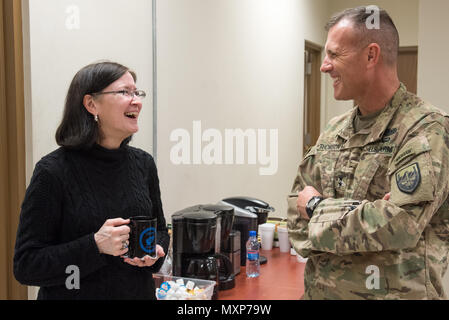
{"x":360,"y":246}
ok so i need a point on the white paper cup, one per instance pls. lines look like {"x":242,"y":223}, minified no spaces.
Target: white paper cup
{"x":267,"y":235}
{"x":284,"y":241}
{"x":301,"y":259}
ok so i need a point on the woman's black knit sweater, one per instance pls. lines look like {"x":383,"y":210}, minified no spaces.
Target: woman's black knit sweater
{"x":70,"y":196}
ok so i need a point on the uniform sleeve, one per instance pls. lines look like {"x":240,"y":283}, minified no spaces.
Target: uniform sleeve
{"x":40,"y":259}
{"x":308,"y":174}
{"x":418,"y":186}
{"x":163,"y":239}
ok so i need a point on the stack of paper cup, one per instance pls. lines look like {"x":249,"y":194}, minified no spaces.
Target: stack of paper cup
{"x":284,"y":242}
{"x":267,"y":235}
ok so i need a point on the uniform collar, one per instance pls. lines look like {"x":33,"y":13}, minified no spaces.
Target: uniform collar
{"x":377,"y":130}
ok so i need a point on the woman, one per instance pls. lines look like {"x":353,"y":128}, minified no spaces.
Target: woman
{"x":76,"y":208}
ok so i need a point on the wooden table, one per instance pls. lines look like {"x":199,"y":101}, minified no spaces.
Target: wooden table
{"x":281,"y":278}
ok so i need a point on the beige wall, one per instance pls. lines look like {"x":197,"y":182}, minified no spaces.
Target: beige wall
{"x":432,"y":64}
{"x":406,"y":18}
{"x":433,"y":68}
{"x":232,"y":64}
{"x":116,"y":30}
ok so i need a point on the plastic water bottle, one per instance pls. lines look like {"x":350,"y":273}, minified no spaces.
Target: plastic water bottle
{"x":252,"y":256}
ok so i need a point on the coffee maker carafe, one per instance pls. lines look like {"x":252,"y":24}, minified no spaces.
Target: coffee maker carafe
{"x":194,"y":255}
{"x":225,"y":221}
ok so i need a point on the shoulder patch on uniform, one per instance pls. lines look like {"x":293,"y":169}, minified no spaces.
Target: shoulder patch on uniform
{"x":409,"y":178}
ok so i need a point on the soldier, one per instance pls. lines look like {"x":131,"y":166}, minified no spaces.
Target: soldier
{"x":369,"y":206}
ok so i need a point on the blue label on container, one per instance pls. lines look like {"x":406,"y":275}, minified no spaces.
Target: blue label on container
{"x":253,"y":256}
{"x":165,"y":286}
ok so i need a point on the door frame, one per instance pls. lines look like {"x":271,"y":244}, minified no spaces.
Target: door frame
{"x":12,"y":142}
{"x":312,"y":95}
{"x":411,"y":50}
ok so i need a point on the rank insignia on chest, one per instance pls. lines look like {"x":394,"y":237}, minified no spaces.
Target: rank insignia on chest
{"x":408,"y":179}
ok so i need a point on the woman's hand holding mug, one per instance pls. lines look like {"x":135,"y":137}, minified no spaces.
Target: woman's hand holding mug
{"x":112,"y":238}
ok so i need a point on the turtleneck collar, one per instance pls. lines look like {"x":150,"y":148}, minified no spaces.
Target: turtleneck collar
{"x":108,"y":155}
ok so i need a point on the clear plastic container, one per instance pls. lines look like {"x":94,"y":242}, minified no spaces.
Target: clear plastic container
{"x":205,"y":292}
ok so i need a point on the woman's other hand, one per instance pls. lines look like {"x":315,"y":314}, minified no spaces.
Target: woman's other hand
{"x":112,"y":236}
{"x":146,"y":261}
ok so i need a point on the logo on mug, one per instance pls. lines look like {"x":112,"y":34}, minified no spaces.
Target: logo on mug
{"x":147,"y":240}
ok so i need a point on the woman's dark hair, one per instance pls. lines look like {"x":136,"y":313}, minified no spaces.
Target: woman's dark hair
{"x":78,"y":128}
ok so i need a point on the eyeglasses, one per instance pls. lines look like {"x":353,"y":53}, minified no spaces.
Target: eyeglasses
{"x":126,"y":93}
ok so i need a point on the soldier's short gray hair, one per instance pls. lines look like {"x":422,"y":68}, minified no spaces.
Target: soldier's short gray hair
{"x":386,"y":36}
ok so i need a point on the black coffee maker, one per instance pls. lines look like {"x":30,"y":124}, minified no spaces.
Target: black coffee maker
{"x":194,"y":250}
{"x":249,"y":213}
